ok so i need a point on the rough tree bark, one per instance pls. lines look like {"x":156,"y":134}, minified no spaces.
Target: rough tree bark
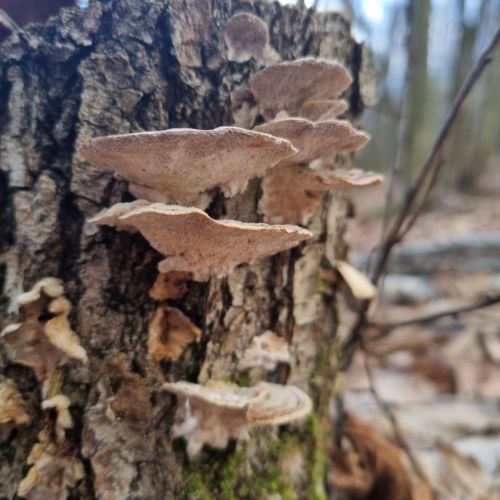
{"x":122,"y":66}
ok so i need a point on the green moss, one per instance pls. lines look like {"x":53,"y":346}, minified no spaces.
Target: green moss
{"x":242,"y":379}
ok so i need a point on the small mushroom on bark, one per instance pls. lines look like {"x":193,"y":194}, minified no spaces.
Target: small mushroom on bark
{"x":247,"y":36}
{"x":214,"y":414}
{"x":194,"y":242}
{"x":315,"y":140}
{"x":183,"y":165}
{"x":288,"y":85}
{"x":360,"y":285}
{"x":171,"y":285}
{"x":55,"y":468}
{"x":45,"y":338}
{"x":170,"y":332}
{"x":266,"y":351}
{"x":13,"y":408}
{"x":290,"y":194}
{"x":60,"y":403}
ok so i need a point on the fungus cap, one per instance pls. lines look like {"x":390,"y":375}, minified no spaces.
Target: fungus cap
{"x":290,"y":194}
{"x":181,"y":165}
{"x":247,"y":36}
{"x":266,"y":351}
{"x":194,"y":242}
{"x":288,"y":85}
{"x":262,"y":404}
{"x":359,"y":284}
{"x":323,"y":109}
{"x":315,"y":140}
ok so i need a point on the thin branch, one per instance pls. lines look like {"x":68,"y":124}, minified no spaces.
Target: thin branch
{"x":416,"y":195}
{"x":398,"y":433}
{"x":7,"y":21}
{"x":428,"y":318}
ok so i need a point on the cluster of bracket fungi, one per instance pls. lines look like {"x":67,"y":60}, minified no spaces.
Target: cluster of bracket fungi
{"x":174,"y":174}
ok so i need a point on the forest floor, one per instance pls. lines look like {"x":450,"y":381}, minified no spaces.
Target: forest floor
{"x":439,"y":381}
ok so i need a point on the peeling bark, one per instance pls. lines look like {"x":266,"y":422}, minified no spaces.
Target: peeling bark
{"x":122,"y":66}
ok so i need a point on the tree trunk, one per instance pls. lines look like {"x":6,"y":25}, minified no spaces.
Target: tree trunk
{"x":121,"y":66}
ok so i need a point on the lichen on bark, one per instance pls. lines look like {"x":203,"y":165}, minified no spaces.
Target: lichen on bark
{"x":122,"y":66}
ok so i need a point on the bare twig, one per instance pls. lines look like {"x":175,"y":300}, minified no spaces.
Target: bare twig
{"x":416,"y":195}
{"x":487,"y":301}
{"x":7,"y":21}
{"x":398,"y":433}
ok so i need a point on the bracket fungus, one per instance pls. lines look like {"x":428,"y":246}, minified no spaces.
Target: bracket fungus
{"x":247,"y":36}
{"x":315,"y":140}
{"x":194,"y":242}
{"x":288,"y":85}
{"x":45,"y":338}
{"x":171,"y":285}
{"x":290,"y":194}
{"x":359,"y":284}
{"x":182,"y":165}
{"x":13,"y":408}
{"x":323,"y":109}
{"x":215,"y":413}
{"x":55,"y":468}
{"x":60,"y":403}
{"x":266,"y":351}
{"x":170,"y":332}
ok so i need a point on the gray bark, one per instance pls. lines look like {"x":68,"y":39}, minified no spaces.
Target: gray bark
{"x":122,"y":66}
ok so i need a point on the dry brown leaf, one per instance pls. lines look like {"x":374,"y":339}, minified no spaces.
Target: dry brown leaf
{"x":372,"y":469}
{"x":170,"y":333}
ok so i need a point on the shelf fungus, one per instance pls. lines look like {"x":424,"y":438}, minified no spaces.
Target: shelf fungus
{"x":44,"y":339}
{"x":247,"y":36}
{"x":170,"y":332}
{"x":315,"y":140}
{"x":267,"y":351}
{"x":60,"y":403}
{"x":13,"y":408}
{"x":323,"y":109}
{"x":55,"y":469}
{"x":288,"y":85}
{"x":213,"y":414}
{"x":194,"y":242}
{"x":359,"y":284}
{"x":183,"y":165}
{"x":171,"y":285}
{"x":291,"y":194}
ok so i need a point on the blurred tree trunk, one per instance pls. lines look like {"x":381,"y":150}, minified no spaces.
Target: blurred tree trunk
{"x":475,"y":135}
{"x":416,"y":94}
{"x":122,"y":66}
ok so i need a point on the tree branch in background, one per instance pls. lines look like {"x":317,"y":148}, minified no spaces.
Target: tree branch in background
{"x":398,"y":433}
{"x":417,"y":193}
{"x":7,"y":21}
{"x":487,"y":301}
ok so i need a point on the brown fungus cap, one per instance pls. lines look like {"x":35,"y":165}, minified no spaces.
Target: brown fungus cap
{"x":290,"y":194}
{"x":44,"y":339}
{"x":194,"y":242}
{"x":247,"y":36}
{"x":323,"y":109}
{"x":288,"y":85}
{"x":55,"y":469}
{"x":170,"y":332}
{"x":13,"y":408}
{"x":315,"y":140}
{"x":181,"y":165}
{"x":214,"y":414}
